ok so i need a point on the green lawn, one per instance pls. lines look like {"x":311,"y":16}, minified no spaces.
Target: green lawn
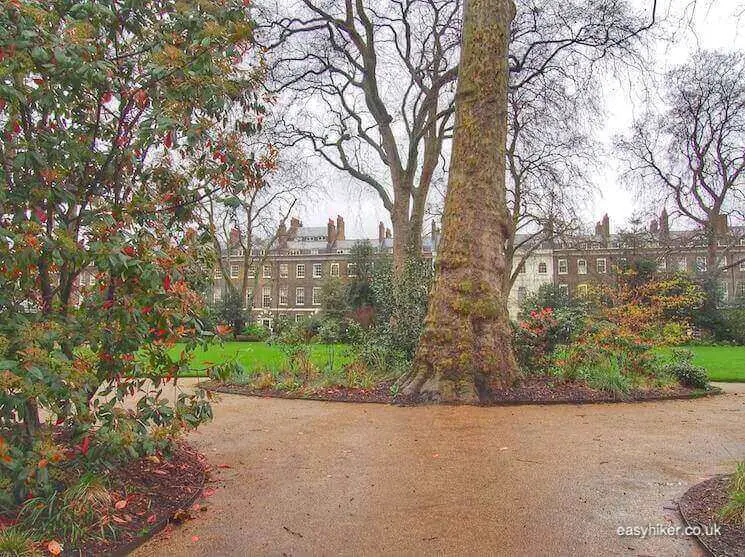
{"x":256,"y":356}
{"x":724,"y":363}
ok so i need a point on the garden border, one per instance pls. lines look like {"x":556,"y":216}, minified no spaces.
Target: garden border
{"x":224,"y":389}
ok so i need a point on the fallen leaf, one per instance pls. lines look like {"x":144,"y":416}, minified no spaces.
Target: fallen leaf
{"x":436,"y":455}
{"x":119,"y":519}
{"x":54,"y":547}
{"x":195,"y":538}
{"x":151,"y":519}
{"x":209,"y":492}
{"x":121,"y":504}
{"x":224,"y":466}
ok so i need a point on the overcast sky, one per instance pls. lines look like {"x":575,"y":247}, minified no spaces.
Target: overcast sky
{"x":712,"y":26}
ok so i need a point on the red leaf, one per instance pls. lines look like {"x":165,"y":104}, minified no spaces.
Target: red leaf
{"x":167,"y":283}
{"x":168,"y":141}
{"x":106,"y":97}
{"x":208,"y":492}
{"x":86,"y":444}
{"x":121,"y":504}
{"x":224,"y":466}
{"x":195,"y":539}
{"x":151,"y":519}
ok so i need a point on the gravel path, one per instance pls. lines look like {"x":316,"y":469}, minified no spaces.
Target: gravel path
{"x":310,"y":478}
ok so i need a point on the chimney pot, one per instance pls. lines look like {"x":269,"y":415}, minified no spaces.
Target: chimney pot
{"x":381,"y":232}
{"x":340,"y":233}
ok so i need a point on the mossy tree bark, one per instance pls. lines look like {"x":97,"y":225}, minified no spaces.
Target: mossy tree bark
{"x":465,"y":349}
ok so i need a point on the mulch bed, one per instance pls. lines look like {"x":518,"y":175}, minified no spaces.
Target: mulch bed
{"x":700,"y":506}
{"x":157,"y":492}
{"x":531,"y":390}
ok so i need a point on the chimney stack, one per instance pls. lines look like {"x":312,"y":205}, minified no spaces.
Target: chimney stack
{"x":606,"y":226}
{"x":381,"y":232}
{"x":235,"y":237}
{"x":340,"y":228}
{"x":294,"y":225}
{"x":331,"y":233}
{"x":282,"y":234}
{"x":664,"y":222}
{"x":388,"y":234}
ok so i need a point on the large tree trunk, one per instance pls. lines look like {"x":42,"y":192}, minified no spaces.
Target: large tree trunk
{"x":465,"y":349}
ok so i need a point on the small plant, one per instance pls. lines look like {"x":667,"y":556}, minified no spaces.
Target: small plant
{"x":15,"y":543}
{"x":607,"y":377}
{"x":685,"y":371}
{"x":734,"y":510}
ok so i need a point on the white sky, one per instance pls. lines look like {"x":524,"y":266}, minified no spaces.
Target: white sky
{"x":713,"y":25}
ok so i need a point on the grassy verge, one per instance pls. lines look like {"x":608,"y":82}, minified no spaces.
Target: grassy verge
{"x":724,"y":363}
{"x":260,"y":356}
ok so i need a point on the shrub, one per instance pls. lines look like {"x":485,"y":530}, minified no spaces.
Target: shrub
{"x":230,"y":310}
{"x":686,"y":372}
{"x":734,"y":510}
{"x":255,"y":333}
{"x":16,"y":543}
{"x":607,"y":375}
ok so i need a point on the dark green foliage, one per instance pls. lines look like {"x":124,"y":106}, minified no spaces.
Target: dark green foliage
{"x":230,"y":310}
{"x":359,"y":290}
{"x":334,"y":299}
{"x":685,"y":371}
{"x":254,"y":332}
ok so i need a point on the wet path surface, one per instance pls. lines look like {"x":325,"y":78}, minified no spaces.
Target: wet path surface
{"x":364,"y":479}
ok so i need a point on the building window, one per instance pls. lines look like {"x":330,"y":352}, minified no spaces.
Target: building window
{"x":217,"y":295}
{"x":92,"y":279}
{"x":252,"y":271}
{"x":662,"y":264}
{"x":521,"y":268}
{"x":314,"y":252}
{"x":266,"y":271}
{"x":563,"y":267}
{"x":283,"y":272}
{"x":234,"y":271}
{"x":351,"y":269}
{"x":564,"y":289}
{"x":317,"y":270}
{"x":522,"y":293}
{"x":701,"y":263}
{"x":300,"y":296}
{"x":283,"y":295}
{"x":682,"y":264}
{"x":740,"y":289}
{"x":266,"y":297}
{"x":249,"y":298}
{"x":742,"y":265}
{"x":334,"y":269}
{"x":300,"y":270}
{"x":217,"y":275}
{"x":266,"y":323}
{"x":542,"y":268}
{"x":582,"y":266}
{"x":723,"y":289}
{"x":582,"y":290}
{"x":316,"y":295}
{"x":601,"y":265}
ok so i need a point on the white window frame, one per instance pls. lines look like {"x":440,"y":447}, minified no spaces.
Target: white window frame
{"x":662,"y":264}
{"x":92,"y":279}
{"x":742,"y":265}
{"x":234,"y":270}
{"x":545,"y":268}
{"x":316,"y":296}
{"x":284,"y":270}
{"x":266,"y":271}
{"x":317,"y":270}
{"x":299,"y":295}
{"x":217,"y":275}
{"x":266,"y":297}
{"x":334,"y":271}
{"x":351,"y":270}
{"x":682,"y":264}
{"x":582,"y":289}
{"x":701,"y":265}
{"x":522,"y":293}
{"x":300,"y":270}
{"x":217,"y":294}
{"x":563,"y":266}
{"x":581,"y":266}
{"x":604,"y":265}
{"x":249,"y":301}
{"x":252,"y":271}
{"x":283,"y":295}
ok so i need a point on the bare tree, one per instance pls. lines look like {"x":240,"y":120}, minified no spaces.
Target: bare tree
{"x":382,"y":75}
{"x":374,"y":82}
{"x":692,"y":152}
{"x":465,"y":349}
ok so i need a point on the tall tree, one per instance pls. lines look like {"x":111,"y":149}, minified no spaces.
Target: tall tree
{"x":466,"y":346}
{"x":691,"y":152}
{"x":380,"y":75}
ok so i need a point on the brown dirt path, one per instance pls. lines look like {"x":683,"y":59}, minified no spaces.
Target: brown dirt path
{"x":311,"y":478}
